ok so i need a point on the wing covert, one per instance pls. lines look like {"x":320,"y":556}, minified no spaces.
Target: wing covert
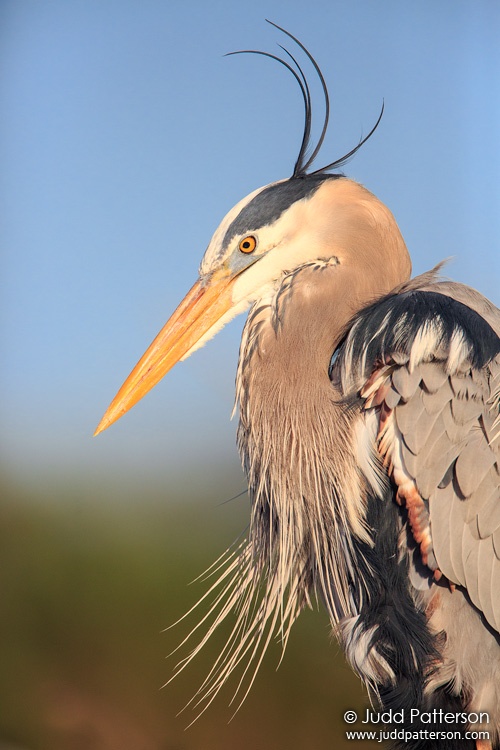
{"x":430,"y":368}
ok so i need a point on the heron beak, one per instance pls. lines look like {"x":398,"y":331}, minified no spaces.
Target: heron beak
{"x":201,"y":308}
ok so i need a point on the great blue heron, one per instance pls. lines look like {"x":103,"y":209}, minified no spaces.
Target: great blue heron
{"x":369,"y":432}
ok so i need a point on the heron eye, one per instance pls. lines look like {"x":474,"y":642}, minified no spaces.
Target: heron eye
{"x":248,"y":244}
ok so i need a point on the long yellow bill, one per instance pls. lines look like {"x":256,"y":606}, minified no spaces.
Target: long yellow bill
{"x":200,"y":309}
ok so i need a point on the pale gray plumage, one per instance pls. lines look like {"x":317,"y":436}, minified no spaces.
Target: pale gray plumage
{"x":449,"y":453}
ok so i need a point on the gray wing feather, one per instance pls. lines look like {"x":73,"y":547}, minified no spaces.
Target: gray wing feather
{"x":456,"y":539}
{"x":473,"y":464}
{"x":486,"y":582}
{"x":439,"y":346}
{"x":454,"y":430}
{"x":488,"y":516}
{"x":488,"y":425}
{"x":423,"y":427}
{"x":434,"y":379}
{"x":495,"y":577}
{"x":407,"y":414}
{"x":392,"y":398}
{"x":443,"y":502}
{"x":436,"y":459}
{"x":405,"y":382}
{"x":434,"y":401}
{"x":470,"y":555}
{"x":483,"y":502}
{"x":496,"y":543}
{"x":449,"y":447}
{"x":465,"y":409}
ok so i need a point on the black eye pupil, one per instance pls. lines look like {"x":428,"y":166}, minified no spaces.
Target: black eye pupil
{"x":247,"y":244}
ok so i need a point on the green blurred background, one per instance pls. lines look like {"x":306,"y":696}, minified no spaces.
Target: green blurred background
{"x":125,"y":136}
{"x":87,"y":588}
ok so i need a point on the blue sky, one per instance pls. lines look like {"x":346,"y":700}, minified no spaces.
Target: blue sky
{"x":126,"y":136}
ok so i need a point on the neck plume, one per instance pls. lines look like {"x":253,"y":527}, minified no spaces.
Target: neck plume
{"x":296,"y":436}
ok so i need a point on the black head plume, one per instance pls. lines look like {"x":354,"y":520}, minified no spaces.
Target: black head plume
{"x":303,"y":161}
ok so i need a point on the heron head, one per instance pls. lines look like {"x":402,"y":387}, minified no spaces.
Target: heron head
{"x":274,"y":230}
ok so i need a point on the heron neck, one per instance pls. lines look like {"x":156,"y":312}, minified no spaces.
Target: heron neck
{"x":294,"y":435}
{"x":289,"y":338}
{"x":296,"y":439}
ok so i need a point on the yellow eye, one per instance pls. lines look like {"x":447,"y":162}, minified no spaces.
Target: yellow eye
{"x":248,"y":244}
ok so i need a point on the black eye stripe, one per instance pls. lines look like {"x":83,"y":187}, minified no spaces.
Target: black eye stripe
{"x":271,"y":202}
